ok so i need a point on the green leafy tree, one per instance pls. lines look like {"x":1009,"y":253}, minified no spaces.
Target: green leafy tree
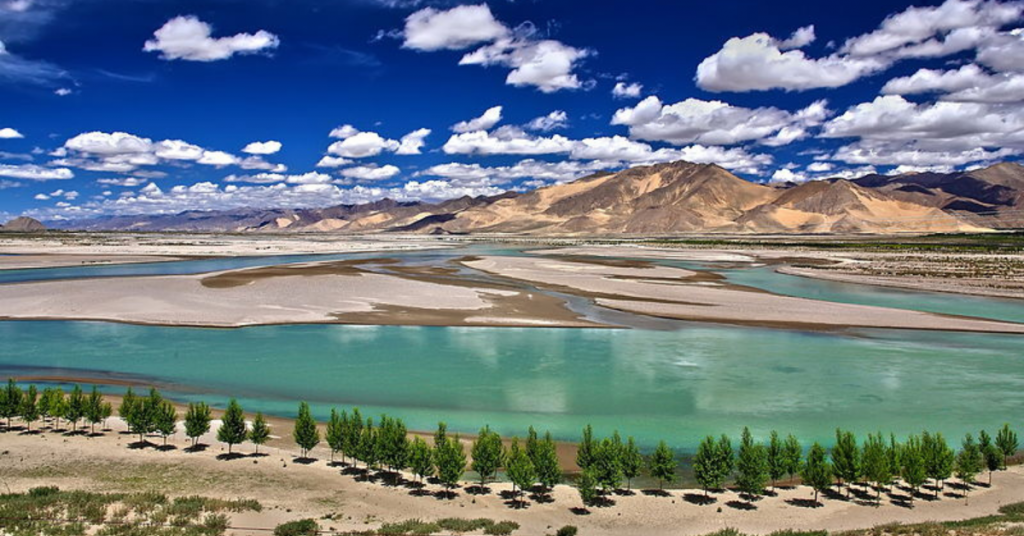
{"x":939,"y":459}
{"x":57,"y":407}
{"x":29,"y":410}
{"x":487,"y":454}
{"x":725,"y":461}
{"x":751,"y":465}
{"x":776,"y":458}
{"x":914,"y":470}
{"x":875,"y":464}
{"x":817,"y":471}
{"x":260,"y":432}
{"x":197,"y":421}
{"x":165,"y":420}
{"x":306,"y":434}
{"x":585,"y":450}
{"x":705,"y":465}
{"x":44,"y":403}
{"x":632,"y":462}
{"x":335,"y":433}
{"x":368,"y":450}
{"x":587,"y":487}
{"x":607,"y":464}
{"x":394,"y":444}
{"x":232,"y":427}
{"x":94,"y":409}
{"x":968,"y":463}
{"x":893,"y":453}
{"x":991,"y":454}
{"x":519,"y":468}
{"x":130,"y":403}
{"x":549,"y":472}
{"x":76,"y":407}
{"x":661,"y":465}
{"x":1006,"y":440}
{"x":10,"y":401}
{"x":141,"y":414}
{"x":353,"y":433}
{"x":106,"y":410}
{"x":846,"y":460}
{"x":450,"y":460}
{"x":792,"y":455}
{"x":419,"y":458}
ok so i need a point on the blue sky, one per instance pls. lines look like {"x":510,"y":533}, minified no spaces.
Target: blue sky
{"x":136,"y":106}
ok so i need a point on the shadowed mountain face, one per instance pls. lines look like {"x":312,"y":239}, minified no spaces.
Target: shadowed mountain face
{"x":23,"y":225}
{"x":677,"y":197}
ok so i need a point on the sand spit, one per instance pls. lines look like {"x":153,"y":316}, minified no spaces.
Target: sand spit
{"x":327,"y":292}
{"x":290,"y":490}
{"x":676,"y":293}
{"x":644,"y":252}
{"x":23,"y":262}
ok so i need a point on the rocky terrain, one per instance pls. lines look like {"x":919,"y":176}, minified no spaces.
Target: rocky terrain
{"x":23,"y":225}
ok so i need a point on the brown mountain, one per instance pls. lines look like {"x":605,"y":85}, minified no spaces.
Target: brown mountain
{"x":23,"y":225}
{"x":677,"y":197}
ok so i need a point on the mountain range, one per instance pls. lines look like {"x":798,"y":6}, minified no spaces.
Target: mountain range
{"x":677,"y":197}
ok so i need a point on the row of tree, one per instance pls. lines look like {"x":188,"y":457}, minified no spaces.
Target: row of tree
{"x":30,"y":405}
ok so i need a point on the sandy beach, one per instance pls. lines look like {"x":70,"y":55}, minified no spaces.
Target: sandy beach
{"x":30,"y":261}
{"x":290,"y":490}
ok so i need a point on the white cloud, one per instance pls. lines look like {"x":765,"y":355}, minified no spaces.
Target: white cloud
{"x":188,"y":38}
{"x":177,"y":150}
{"x":34,"y":172}
{"x":505,"y":140}
{"x":344,"y":131}
{"x":907,"y":154}
{"x":969,"y":83}
{"x":623,"y":90}
{"x":104,"y":144}
{"x":1004,"y":52}
{"x":362,"y":145}
{"x":312,"y":177}
{"x":476,"y":174}
{"x":8,"y":133}
{"x":455,"y":29}
{"x":257,"y":162}
{"x":370,"y":173}
{"x":333,"y":162}
{"x":800,"y":38}
{"x":218,"y":158}
{"x":786,"y":175}
{"x":127,"y":182}
{"x":413,"y":142}
{"x":262,"y":147}
{"x":820,"y":167}
{"x":486,"y":121}
{"x":553,"y":121}
{"x":259,"y":178}
{"x":62,"y":92}
{"x":716,"y":122}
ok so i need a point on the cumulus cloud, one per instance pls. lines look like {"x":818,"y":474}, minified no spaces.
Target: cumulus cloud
{"x":553,"y":121}
{"x":969,"y":83}
{"x":505,"y":140}
{"x":413,"y":142}
{"x":344,"y":131}
{"x":716,"y":122}
{"x":8,"y":133}
{"x":362,"y":145}
{"x":218,"y":158}
{"x":1004,"y":52}
{"x":370,"y":173}
{"x":262,"y":147}
{"x":188,"y":38}
{"x":623,"y":90}
{"x":333,"y":162}
{"x":486,"y":121}
{"x":35,"y":173}
{"x":127,"y":182}
{"x":113,"y":143}
{"x":563,"y":171}
{"x":455,"y":29}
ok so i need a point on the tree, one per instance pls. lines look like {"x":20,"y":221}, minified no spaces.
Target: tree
{"x":724,"y":461}
{"x":776,"y":458}
{"x":197,"y":421}
{"x":607,"y":464}
{"x":705,"y":465}
{"x":165,"y":419}
{"x":29,"y":410}
{"x":94,"y":409}
{"x":45,"y":402}
{"x":968,"y":463}
{"x":846,"y":459}
{"x":129,"y":404}
{"x":893,"y":453}
{"x":817,"y":472}
{"x":353,"y":433}
{"x":140,"y":413}
{"x":306,"y":434}
{"x":450,"y":459}
{"x":260,"y":432}
{"x":549,"y":473}
{"x":10,"y":401}
{"x":393,"y":443}
{"x":914,"y":470}
{"x":1006,"y":440}
{"x":632,"y":462}
{"x":992,"y":456}
{"x":368,"y":450}
{"x":58,"y":406}
{"x":662,"y":464}
{"x":752,"y":465}
{"x":232,"y":426}
{"x":335,"y":434}
{"x":585,"y":450}
{"x":939,"y":459}
{"x":486,"y":454}
{"x":587,"y":486}
{"x":519,"y":468}
{"x":419,"y":458}
{"x":76,"y":407}
{"x":106,"y":410}
{"x":875,"y":463}
{"x":792,"y":455}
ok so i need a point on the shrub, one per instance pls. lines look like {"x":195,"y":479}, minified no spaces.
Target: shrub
{"x":568,"y":530}
{"x":302,"y":527}
{"x":501,"y":528}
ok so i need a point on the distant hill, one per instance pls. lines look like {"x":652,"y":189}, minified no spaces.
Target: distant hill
{"x":22,"y":225}
{"x":677,"y":197}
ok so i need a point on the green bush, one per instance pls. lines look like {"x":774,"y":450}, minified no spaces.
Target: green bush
{"x":302,"y":527}
{"x":410,"y":527}
{"x":501,"y":528}
{"x":568,"y":530}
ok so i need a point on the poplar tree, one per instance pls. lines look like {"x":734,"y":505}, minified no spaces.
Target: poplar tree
{"x":335,"y":434}
{"x":353,"y":434}
{"x":450,"y":459}
{"x":129,"y":404}
{"x":519,"y":468}
{"x":705,"y":465}
{"x":846,"y":461}
{"x":776,"y":458}
{"x":76,"y":407}
{"x":165,"y":420}
{"x":58,"y":406}
{"x":662,"y":464}
{"x":991,"y":454}
{"x":549,"y":473}
{"x":632,"y":462}
{"x":10,"y":401}
{"x":607,"y":465}
{"x":817,"y":472}
{"x":94,"y":409}
{"x":752,"y":466}
{"x":393,"y":443}
{"x":939,"y":459}
{"x":875,"y":463}
{"x":1006,"y":440}
{"x":29,"y":409}
{"x":968,"y":463}
{"x":792,"y":455}
{"x":106,"y":410}
{"x":419,"y":458}
{"x":367,"y":450}
{"x":197,"y":421}
{"x":306,"y":435}
{"x":232,"y":427}
{"x":724,"y":462}
{"x":45,"y":402}
{"x":587,"y":487}
{"x":260,"y":432}
{"x":487,"y":452}
{"x":914,"y":470}
{"x":893,"y":453}
{"x":585,"y":450}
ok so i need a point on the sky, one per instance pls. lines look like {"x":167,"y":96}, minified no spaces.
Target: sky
{"x":111,"y":107}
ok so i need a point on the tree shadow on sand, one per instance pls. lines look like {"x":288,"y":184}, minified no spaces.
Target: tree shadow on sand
{"x":580,"y":511}
{"x":303,"y":460}
{"x":741,"y":505}
{"x":198,"y":447}
{"x":805,"y":503}
{"x":699,"y":499}
{"x":655,"y":493}
{"x":228,"y":456}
